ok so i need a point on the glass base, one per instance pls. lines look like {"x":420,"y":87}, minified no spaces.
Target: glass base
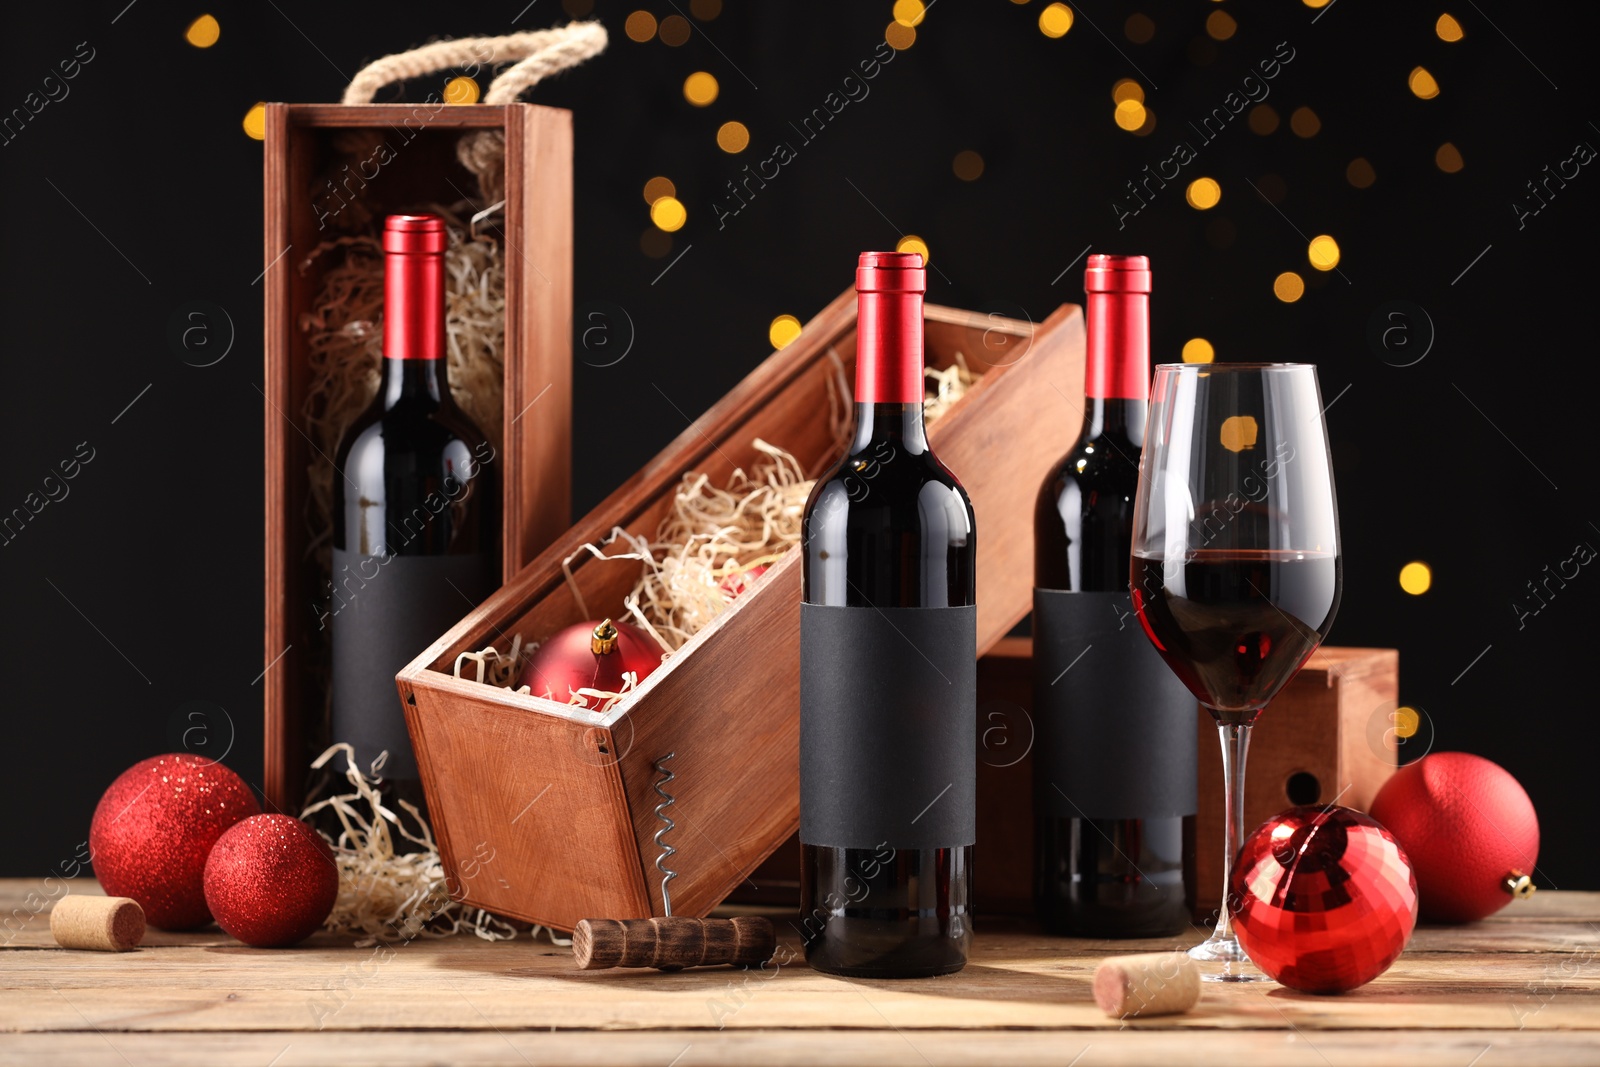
{"x":1228,"y":961}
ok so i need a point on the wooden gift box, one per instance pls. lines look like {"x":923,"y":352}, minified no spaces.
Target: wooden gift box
{"x":561,"y":800}
{"x":535,"y":469}
{"x":1328,"y":737}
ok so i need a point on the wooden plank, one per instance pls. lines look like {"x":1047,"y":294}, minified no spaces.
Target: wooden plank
{"x":402,"y":1048}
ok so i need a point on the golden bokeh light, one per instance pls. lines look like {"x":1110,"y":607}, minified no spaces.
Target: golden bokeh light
{"x":1055,"y":20}
{"x":674,"y":31}
{"x":1198,"y":350}
{"x":1127,"y":89}
{"x":1316,"y":3}
{"x":668,"y":213}
{"x":255,"y":122}
{"x":1203,"y":194}
{"x":733,"y":137}
{"x":1406,"y":721}
{"x":1288,"y":287}
{"x":909,"y":12}
{"x":1263,"y":119}
{"x":968,"y":165}
{"x":1448,"y":158}
{"x":1423,"y":84}
{"x":783,"y":331}
{"x":1220,"y":25}
{"x":1360,"y":173}
{"x":1416,"y":577}
{"x":912,"y":243}
{"x":1304,"y":122}
{"x":577,"y":8}
{"x":701,"y":88}
{"x":900,"y":36}
{"x":462,"y":90}
{"x":641,"y":26}
{"x":654,"y":243}
{"x":1323,"y":252}
{"x":203,"y":32}
{"x":1130,"y":115}
{"x":1139,"y":28}
{"x":1239,"y":432}
{"x":705,"y":10}
{"x":1448,"y":28}
{"x":657,"y":187}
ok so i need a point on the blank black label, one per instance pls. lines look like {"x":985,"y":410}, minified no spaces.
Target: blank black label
{"x":1116,"y":729}
{"x":888,"y":726}
{"x":385,"y":611}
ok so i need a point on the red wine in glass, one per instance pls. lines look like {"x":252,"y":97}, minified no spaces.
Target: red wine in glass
{"x":1236,"y":624}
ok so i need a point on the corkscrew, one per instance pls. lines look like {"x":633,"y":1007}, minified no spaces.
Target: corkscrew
{"x":671,"y":943}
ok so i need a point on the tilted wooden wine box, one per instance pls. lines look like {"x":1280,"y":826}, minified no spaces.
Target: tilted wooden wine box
{"x":551,"y":809}
{"x":413,"y":166}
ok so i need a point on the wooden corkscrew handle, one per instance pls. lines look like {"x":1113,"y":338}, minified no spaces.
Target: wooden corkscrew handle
{"x":672,"y":943}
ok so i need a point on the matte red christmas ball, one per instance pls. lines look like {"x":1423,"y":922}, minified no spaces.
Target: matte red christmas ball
{"x":1323,"y":899}
{"x":154,"y":827}
{"x":271,"y":880}
{"x":590,"y":655}
{"x":1470,"y":830}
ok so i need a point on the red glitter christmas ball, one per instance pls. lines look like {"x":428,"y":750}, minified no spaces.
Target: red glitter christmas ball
{"x":590,"y":655}
{"x":154,"y":827}
{"x":1323,"y":899}
{"x":271,"y":880}
{"x":1470,"y":830}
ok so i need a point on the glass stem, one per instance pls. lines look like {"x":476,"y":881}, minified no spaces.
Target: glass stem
{"x":1235,"y":739}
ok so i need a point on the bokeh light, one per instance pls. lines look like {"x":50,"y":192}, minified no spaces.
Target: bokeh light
{"x":1304,"y":122}
{"x":654,"y":243}
{"x":1220,"y":25}
{"x":900,"y":36}
{"x":1139,"y":28}
{"x":912,"y":243}
{"x":909,"y":12}
{"x":657,"y":187}
{"x":461,"y":90}
{"x":1288,"y":287}
{"x":968,"y":165}
{"x":1323,"y":252}
{"x":1416,"y":577}
{"x":1448,"y":28}
{"x":203,"y":32}
{"x":669,"y":214}
{"x":1198,"y":350}
{"x":1263,"y":119}
{"x":1448,"y":158}
{"x":1203,"y":194}
{"x":255,"y":122}
{"x":1055,"y":20}
{"x":1423,"y":84}
{"x":1127,"y":89}
{"x":1360,"y":173}
{"x":641,"y":26}
{"x":1130,"y":115}
{"x":674,"y":31}
{"x":733,"y":137}
{"x":1239,"y":432}
{"x":783,"y":331}
{"x":705,"y":10}
{"x":701,"y":88}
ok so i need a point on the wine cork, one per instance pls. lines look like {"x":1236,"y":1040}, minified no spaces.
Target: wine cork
{"x":1156,"y":983}
{"x":670,"y":944}
{"x":110,"y":924}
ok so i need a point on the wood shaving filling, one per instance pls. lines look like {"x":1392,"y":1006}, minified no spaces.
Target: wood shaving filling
{"x":385,"y":896}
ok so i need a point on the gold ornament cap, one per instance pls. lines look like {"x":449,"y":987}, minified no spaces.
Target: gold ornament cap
{"x":1519,"y":885}
{"x":604,"y":639}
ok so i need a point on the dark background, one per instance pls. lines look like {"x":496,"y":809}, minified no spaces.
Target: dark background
{"x":140,"y":593}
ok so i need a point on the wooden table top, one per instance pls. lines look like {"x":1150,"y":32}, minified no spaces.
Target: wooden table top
{"x":1520,"y":988}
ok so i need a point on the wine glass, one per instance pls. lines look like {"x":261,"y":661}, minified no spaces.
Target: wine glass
{"x":1236,"y":570}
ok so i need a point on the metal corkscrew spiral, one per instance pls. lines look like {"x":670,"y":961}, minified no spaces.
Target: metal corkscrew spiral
{"x":667,"y":800}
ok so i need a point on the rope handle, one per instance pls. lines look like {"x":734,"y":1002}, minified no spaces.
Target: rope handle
{"x":541,"y":53}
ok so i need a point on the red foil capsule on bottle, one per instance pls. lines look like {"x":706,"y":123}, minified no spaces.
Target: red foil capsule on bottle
{"x":889,"y":287}
{"x":1118,"y":320}
{"x":413,"y":287}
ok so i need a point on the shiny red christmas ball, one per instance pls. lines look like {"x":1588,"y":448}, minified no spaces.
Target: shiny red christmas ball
{"x":1323,"y":899}
{"x":590,"y":655}
{"x":271,"y":880}
{"x":1470,"y":830}
{"x":154,"y":827}
{"x":739,"y":583}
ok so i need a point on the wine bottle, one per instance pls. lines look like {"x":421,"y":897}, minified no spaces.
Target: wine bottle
{"x":888,"y":670}
{"x":1115,"y":756}
{"x":415,"y":516}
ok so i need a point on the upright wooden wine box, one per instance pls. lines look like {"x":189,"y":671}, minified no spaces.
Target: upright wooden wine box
{"x":1327,"y":738}
{"x":562,"y":800}
{"x":415,"y":167}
